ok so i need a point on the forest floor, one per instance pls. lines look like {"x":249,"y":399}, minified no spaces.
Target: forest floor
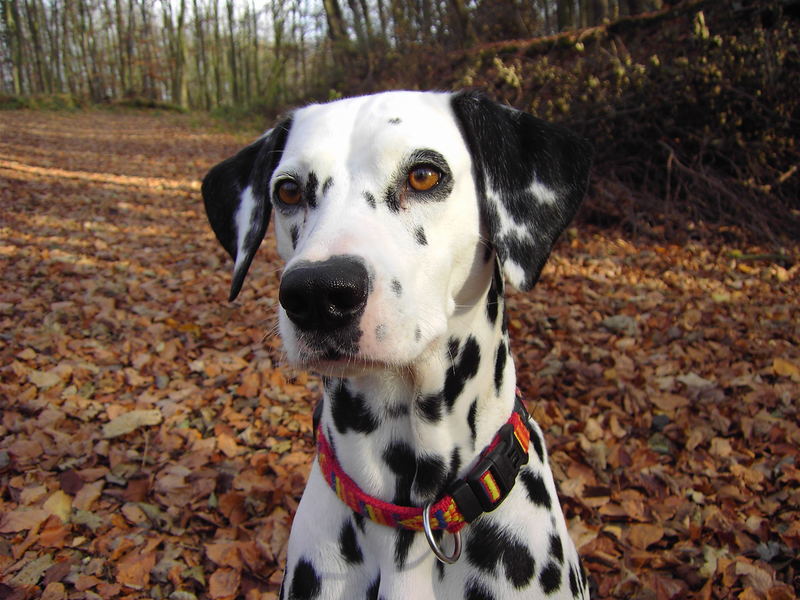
{"x":153,"y":445}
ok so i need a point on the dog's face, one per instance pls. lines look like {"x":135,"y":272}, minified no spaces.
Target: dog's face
{"x":389,"y":213}
{"x":387,"y":181}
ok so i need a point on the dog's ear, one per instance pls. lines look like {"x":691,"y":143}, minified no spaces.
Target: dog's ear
{"x":236,"y":197}
{"x":530,"y":176}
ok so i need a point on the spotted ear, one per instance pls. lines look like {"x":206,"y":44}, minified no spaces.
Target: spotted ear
{"x":236,"y":197}
{"x":530,"y":176}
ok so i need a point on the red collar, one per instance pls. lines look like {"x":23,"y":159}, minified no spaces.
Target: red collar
{"x":486,"y":485}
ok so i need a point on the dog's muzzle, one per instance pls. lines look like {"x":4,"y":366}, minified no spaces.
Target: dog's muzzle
{"x":325,"y":296}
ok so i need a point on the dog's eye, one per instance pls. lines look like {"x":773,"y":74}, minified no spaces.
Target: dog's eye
{"x":423,"y":179}
{"x":288,"y":192}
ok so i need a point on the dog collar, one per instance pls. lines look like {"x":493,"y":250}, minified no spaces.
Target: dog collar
{"x":483,"y":489}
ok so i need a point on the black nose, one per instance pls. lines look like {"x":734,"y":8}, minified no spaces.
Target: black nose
{"x":325,"y":295}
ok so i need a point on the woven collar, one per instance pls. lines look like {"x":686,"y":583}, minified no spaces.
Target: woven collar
{"x":483,"y":489}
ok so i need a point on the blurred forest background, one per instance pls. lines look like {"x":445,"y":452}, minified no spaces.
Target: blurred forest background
{"x":692,"y":106}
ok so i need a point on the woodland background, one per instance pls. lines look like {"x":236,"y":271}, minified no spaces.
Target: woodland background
{"x":154,"y":445}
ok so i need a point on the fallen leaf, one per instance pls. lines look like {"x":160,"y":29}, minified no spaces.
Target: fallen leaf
{"x":131,"y":421}
{"x":669,"y":403}
{"x":88,"y":495}
{"x":642,"y":535}
{"x":22,"y":519}
{"x":44,"y":379}
{"x":32,"y":572}
{"x":693,"y":380}
{"x":133,"y":570}
{"x":59,"y":504}
{"x":786,"y":368}
{"x":224,"y":583}
{"x":54,"y":591}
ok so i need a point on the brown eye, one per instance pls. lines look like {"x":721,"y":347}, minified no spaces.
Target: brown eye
{"x":288,"y":192}
{"x":423,"y":179}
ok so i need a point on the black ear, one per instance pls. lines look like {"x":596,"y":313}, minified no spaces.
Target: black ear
{"x":530,"y":176}
{"x":236,"y":196}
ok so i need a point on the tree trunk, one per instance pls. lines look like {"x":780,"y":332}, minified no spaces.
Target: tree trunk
{"x":599,"y":11}
{"x":32,"y":17}
{"x":565,"y":14}
{"x":12,"y":25}
{"x":201,"y":59}
{"x":464,"y":28}
{"x":217,"y":55}
{"x":120,"y":49}
{"x":232,"y":53}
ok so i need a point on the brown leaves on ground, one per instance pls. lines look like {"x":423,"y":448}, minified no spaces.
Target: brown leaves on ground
{"x":152,"y":445}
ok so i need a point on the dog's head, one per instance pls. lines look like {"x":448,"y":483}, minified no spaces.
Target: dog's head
{"x":390,"y":211}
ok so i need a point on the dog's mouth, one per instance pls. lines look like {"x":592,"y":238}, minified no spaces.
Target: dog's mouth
{"x":329,"y":355}
{"x":329,"y":352}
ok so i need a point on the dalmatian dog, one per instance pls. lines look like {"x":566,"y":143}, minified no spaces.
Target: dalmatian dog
{"x":400,"y":217}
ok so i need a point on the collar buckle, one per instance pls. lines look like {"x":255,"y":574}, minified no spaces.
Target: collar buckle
{"x":490,"y":481}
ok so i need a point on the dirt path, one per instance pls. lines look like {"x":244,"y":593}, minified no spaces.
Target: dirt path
{"x":152,"y":446}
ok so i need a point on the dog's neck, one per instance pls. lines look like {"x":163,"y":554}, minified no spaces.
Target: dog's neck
{"x":427,"y":422}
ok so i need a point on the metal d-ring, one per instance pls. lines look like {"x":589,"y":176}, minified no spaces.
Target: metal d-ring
{"x":426,"y":525}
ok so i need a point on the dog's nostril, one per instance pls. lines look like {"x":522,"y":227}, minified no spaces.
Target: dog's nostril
{"x":293,"y":300}
{"x":346,"y":299}
{"x":325,"y":295}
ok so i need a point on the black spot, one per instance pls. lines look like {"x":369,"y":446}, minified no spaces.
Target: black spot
{"x":348,"y":544}
{"x":402,"y":544}
{"x":305,"y":582}
{"x":556,"y":548}
{"x":350,"y":411}
{"x":490,"y":543}
{"x":574,"y":580}
{"x":463,"y":371}
{"x":430,"y":407}
{"x":395,"y":121}
{"x":370,"y":199}
{"x":550,"y":578}
{"x":497,"y":281}
{"x":397,"y":287}
{"x":395,"y":410}
{"x":473,"y":409}
{"x":311,"y":190}
{"x":537,"y":491}
{"x":455,"y":466}
{"x":400,"y":458}
{"x":491,"y":305}
{"x":372,"y":590}
{"x":519,"y":564}
{"x":327,"y":185}
{"x":453,"y":344}
{"x":294,"y":231}
{"x":419,"y":233}
{"x":392,"y":199}
{"x":484,"y":546}
{"x":430,"y":476}
{"x":475,"y":590}
{"x":500,"y":365}
{"x":538,"y":444}
{"x":417,"y":333}
{"x":359,"y":519}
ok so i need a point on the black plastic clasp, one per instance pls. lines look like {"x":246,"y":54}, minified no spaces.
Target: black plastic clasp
{"x":503,"y":463}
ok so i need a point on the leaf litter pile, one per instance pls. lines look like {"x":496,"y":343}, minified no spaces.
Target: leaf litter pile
{"x":154,"y":445}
